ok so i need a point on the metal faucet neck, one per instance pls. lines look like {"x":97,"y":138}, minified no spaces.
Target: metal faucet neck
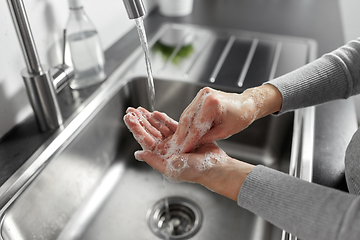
{"x":134,"y":8}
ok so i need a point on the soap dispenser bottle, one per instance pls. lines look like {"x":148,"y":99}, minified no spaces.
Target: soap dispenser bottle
{"x":85,"y":48}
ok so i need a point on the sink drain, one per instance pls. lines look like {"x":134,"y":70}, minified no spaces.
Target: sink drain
{"x":182,"y":220}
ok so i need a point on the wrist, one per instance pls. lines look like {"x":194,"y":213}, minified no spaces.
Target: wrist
{"x":227,"y":178}
{"x":267,"y":99}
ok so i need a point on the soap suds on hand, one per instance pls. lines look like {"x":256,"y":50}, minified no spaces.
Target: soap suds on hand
{"x":170,"y":151}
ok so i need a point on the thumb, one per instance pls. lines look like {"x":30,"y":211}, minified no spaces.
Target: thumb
{"x":155,"y":161}
{"x":138,"y":155}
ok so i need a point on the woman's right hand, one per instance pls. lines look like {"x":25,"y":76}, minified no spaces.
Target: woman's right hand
{"x":214,"y":115}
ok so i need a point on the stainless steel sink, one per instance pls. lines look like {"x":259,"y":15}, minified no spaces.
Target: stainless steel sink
{"x":84,"y":182}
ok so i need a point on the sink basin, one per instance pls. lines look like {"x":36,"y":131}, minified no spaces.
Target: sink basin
{"x":84,"y":183}
{"x":122,"y":212}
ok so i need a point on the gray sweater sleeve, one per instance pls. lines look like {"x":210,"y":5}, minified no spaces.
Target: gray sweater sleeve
{"x":335,"y":75}
{"x":307,"y":210}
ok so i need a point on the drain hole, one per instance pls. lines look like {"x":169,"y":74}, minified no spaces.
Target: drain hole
{"x":178,"y":221}
{"x":181,"y":220}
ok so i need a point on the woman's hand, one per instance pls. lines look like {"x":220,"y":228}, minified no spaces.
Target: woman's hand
{"x":214,"y":115}
{"x":207,"y":164}
{"x":186,"y":167}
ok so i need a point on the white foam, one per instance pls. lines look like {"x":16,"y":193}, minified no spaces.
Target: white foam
{"x":177,"y":164}
{"x":201,"y":127}
{"x":171,"y":151}
{"x":139,"y":138}
{"x":174,"y":167}
{"x":259,"y":96}
{"x":211,"y":159}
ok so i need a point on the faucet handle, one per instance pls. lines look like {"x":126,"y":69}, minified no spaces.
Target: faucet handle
{"x":62,"y":73}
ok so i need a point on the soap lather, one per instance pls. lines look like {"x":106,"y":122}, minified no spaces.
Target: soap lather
{"x":87,"y":54}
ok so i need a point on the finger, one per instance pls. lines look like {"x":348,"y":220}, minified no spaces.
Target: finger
{"x":146,"y":140}
{"x":185,"y":121}
{"x":130,"y":109}
{"x":213,"y":135}
{"x":190,"y":113}
{"x":142,"y":118}
{"x":202,"y":123}
{"x":152,"y":159}
{"x":166,"y":147}
{"x":156,"y":123}
{"x":168,"y":121}
{"x":209,"y":118}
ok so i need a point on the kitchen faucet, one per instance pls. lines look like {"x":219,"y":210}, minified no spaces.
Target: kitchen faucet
{"x":43,"y":83}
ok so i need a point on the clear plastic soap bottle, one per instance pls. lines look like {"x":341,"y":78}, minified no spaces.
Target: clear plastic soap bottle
{"x":85,"y":48}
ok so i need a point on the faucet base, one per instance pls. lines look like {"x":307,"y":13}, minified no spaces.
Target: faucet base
{"x":42,"y":97}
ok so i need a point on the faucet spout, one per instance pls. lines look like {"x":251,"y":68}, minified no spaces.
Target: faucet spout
{"x":134,"y":8}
